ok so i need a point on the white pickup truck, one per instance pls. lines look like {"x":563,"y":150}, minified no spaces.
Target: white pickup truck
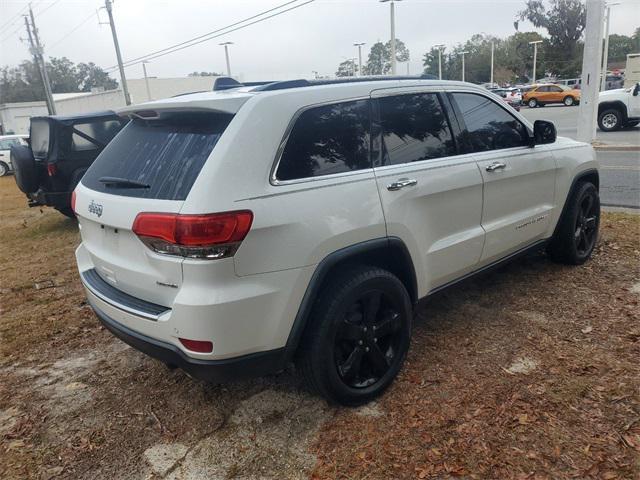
{"x":619,"y":108}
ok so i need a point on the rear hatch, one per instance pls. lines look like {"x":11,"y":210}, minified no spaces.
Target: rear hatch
{"x":150,"y":166}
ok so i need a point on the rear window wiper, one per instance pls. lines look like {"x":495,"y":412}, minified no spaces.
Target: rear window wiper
{"x":118,"y":182}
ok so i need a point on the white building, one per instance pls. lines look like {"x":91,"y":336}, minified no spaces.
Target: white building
{"x":14,"y":117}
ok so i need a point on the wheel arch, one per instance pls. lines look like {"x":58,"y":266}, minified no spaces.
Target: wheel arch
{"x":389,"y":253}
{"x":591,"y":175}
{"x":615,"y":104}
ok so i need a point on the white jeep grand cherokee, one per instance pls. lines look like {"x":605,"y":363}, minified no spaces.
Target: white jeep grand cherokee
{"x":236,"y":231}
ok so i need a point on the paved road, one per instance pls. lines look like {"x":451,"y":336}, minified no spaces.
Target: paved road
{"x":566,"y":121}
{"x":620,"y":175}
{"x":620,"y":178}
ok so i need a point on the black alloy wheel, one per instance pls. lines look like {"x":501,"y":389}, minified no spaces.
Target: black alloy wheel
{"x":368,"y":339}
{"x":586,"y":227}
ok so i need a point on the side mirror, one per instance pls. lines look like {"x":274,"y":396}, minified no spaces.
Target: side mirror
{"x":543,"y":132}
{"x":636,"y":89}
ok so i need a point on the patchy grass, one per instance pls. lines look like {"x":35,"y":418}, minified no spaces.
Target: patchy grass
{"x":528,"y":372}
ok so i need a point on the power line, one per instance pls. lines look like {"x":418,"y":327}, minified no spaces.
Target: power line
{"x":12,"y":20}
{"x":47,"y":7}
{"x":209,"y":33}
{"x":73,"y":30}
{"x":210,"y":36}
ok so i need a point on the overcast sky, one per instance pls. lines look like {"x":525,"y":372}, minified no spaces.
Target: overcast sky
{"x":317,"y":36}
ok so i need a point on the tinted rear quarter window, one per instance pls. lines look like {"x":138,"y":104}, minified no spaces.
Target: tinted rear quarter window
{"x":327,"y":139}
{"x":166,"y":154}
{"x":414,"y":127}
{"x":488,"y":126}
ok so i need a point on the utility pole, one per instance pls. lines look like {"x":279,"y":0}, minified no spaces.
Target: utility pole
{"x":146,"y":79}
{"x":439,"y":47}
{"x":226,"y":55}
{"x":463,"y":54}
{"x":492,"y":48}
{"x":535,"y":57}
{"x":123,"y":79}
{"x":36,"y":51}
{"x":359,"y":45}
{"x":591,"y":71}
{"x":605,"y":54}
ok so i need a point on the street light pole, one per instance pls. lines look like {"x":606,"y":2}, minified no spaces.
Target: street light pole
{"x":440,"y":46}
{"x":359,"y":45}
{"x":393,"y":34}
{"x":492,"y":48}
{"x":463,"y":54}
{"x":535,"y":57}
{"x":605,"y":54}
{"x":226,"y":55}
{"x":146,"y":78}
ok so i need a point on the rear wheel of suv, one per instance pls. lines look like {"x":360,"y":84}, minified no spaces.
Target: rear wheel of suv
{"x":577,"y":232}
{"x":610,"y":120}
{"x":358,"y":337}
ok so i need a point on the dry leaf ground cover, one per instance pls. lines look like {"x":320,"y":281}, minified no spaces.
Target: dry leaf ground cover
{"x":528,"y":372}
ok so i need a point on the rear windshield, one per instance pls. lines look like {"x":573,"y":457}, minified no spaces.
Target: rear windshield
{"x":39,"y":138}
{"x":164,"y":156}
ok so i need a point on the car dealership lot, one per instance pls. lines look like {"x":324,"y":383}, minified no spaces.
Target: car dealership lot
{"x":530,"y":369}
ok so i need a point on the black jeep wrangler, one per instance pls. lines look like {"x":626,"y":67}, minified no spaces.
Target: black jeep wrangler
{"x":61,"y":150}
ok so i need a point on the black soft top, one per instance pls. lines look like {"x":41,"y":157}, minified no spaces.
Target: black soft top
{"x":79,"y":118}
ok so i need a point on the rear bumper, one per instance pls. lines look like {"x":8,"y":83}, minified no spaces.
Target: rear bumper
{"x":51,"y":199}
{"x":225,"y":370}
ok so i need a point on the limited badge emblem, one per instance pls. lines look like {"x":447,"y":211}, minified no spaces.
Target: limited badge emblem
{"x":95,"y":208}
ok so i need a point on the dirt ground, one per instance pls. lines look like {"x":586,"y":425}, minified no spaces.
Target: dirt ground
{"x":528,"y":372}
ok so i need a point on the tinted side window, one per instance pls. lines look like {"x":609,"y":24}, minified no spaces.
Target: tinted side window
{"x":414,"y":128}
{"x":554,"y":89}
{"x":327,"y":139}
{"x":542,"y":89}
{"x":488,"y":126}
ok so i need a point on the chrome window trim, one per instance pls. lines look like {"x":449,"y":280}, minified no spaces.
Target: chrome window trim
{"x":273,"y":179}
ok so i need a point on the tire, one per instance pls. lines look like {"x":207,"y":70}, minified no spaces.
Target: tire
{"x":577,"y":233}
{"x":24,"y":167}
{"x":532,"y":103}
{"x":342,"y":357}
{"x":610,"y":120}
{"x":4,"y":169}
{"x":569,"y":101}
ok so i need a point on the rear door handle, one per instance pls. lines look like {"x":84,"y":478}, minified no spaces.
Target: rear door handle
{"x":401,"y":183}
{"x":495,"y":166}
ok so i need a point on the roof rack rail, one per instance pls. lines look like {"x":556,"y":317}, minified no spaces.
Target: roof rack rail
{"x":226,"y":83}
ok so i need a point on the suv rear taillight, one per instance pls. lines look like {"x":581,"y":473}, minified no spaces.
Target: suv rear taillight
{"x":210,"y":236}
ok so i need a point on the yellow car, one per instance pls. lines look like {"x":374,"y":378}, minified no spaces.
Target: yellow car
{"x":540,"y":95}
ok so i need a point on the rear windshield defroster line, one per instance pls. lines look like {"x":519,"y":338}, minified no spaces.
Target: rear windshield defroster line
{"x":164,"y":156}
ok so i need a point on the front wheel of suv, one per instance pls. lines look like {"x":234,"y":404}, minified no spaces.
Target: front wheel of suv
{"x":577,"y":231}
{"x":358,"y":337}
